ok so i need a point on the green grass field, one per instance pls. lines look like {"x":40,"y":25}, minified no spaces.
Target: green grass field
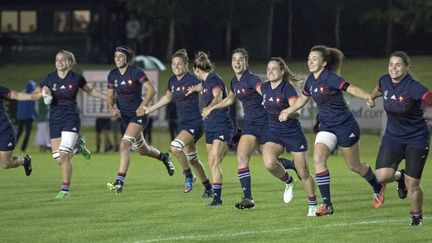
{"x":153,"y":207}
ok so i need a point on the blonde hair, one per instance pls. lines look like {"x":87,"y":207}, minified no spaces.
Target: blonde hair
{"x":182,"y":54}
{"x":203,"y":62}
{"x":69,"y":56}
{"x":332,"y":56}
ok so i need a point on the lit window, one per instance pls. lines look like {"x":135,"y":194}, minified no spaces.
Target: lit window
{"x":81,"y":19}
{"x":62,"y":21}
{"x":9,"y":20}
{"x":28,"y":21}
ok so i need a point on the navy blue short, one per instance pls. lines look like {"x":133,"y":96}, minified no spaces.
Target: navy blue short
{"x":224,"y":136}
{"x":294,"y":141}
{"x":196,"y":130}
{"x":125,"y":120}
{"x":262,"y":133}
{"x":69,"y":123}
{"x":415,"y":152}
{"x":347,"y":134}
{"x":8,"y":139}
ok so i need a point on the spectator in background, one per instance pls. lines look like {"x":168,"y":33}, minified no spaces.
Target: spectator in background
{"x":42,"y":130}
{"x":133,"y":27}
{"x":26,"y":113}
{"x":103,"y":128}
{"x":171,"y":117}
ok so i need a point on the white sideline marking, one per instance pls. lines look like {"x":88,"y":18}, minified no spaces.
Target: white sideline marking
{"x":257,"y":232}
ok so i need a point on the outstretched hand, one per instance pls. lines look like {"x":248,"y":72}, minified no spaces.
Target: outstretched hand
{"x":206,"y":112}
{"x":370,"y":103}
{"x":283,"y":116}
{"x":141,"y":111}
{"x":115,"y":112}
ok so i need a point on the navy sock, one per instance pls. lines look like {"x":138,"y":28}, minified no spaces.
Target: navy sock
{"x":312,"y":201}
{"x":323,"y":181}
{"x":286,"y":178}
{"x":245,"y":182}
{"x":207,"y":184}
{"x":162,"y":156}
{"x":217,"y":188}
{"x":373,"y":181}
{"x":65,"y":186}
{"x":121,"y":177}
{"x":188,"y":173}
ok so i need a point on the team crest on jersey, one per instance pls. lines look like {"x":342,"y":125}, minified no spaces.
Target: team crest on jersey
{"x":54,"y":87}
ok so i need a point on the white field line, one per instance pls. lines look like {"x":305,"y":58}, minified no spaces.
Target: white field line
{"x":258,"y":232}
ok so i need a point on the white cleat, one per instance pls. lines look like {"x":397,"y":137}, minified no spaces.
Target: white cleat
{"x":312,"y":210}
{"x":288,"y":193}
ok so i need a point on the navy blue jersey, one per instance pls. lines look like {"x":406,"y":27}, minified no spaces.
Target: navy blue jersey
{"x":245,"y":91}
{"x":402,"y":103}
{"x":128,"y":88}
{"x":218,"y":119}
{"x":64,"y":92}
{"x":188,"y":109}
{"x":276,"y":100}
{"x":4,"y":118}
{"x":326,"y":92}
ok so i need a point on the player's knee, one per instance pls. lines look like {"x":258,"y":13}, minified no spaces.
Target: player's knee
{"x":56,"y":155}
{"x":126,"y":143}
{"x":176,"y":145}
{"x":5,"y":165}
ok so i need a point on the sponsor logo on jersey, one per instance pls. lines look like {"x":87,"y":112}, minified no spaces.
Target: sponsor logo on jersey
{"x":10,"y":144}
{"x":62,"y":87}
{"x":123,"y":83}
{"x":393,"y":97}
{"x":222,"y":137}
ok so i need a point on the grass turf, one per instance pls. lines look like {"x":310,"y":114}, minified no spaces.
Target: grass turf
{"x":153,"y":207}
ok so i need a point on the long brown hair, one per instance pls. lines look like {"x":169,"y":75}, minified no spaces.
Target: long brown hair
{"x":288,"y":74}
{"x":332,"y":56}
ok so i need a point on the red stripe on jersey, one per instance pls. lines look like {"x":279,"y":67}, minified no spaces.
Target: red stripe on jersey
{"x":143,"y":79}
{"x":258,"y":86}
{"x":342,"y":84}
{"x":427,"y":98}
{"x":292,"y":97}
{"x":217,"y":87}
{"x":110,"y":86}
{"x":305,"y":93}
{"x":9,"y":93}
